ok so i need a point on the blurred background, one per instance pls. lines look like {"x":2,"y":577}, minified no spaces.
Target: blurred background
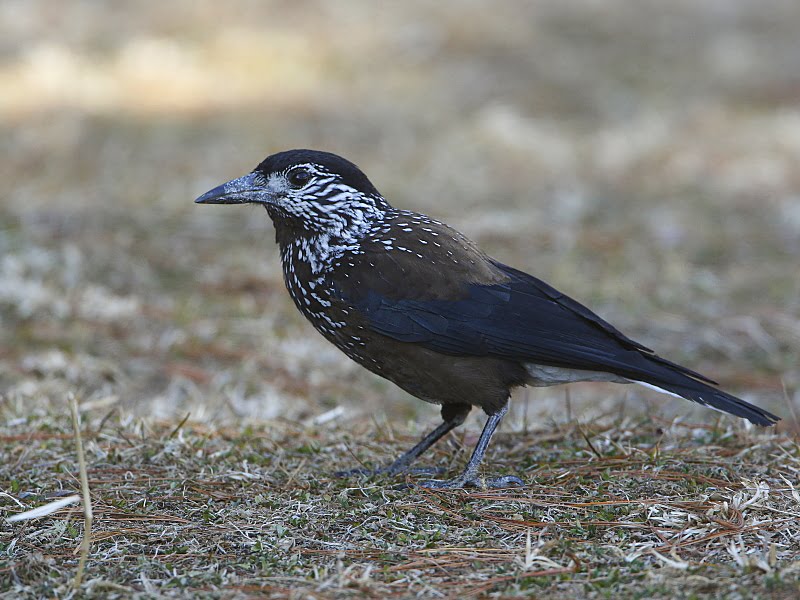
{"x":642,"y":157}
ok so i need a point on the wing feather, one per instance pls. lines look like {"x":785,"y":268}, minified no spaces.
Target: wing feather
{"x":521,"y":318}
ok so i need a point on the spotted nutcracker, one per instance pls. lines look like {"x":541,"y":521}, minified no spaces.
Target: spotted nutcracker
{"x":418,"y":303}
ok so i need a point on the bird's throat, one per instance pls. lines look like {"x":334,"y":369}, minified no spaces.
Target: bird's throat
{"x":316,"y":253}
{"x":322,"y":250}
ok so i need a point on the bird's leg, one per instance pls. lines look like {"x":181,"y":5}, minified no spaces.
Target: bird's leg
{"x":453,"y":415}
{"x":469,"y":478}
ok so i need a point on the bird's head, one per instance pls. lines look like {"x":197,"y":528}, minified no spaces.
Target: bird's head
{"x":306,"y":191}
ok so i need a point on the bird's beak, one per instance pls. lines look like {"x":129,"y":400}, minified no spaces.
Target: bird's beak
{"x":243,"y":190}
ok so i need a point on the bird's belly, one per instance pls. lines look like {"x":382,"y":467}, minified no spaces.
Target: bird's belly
{"x":435,"y":377}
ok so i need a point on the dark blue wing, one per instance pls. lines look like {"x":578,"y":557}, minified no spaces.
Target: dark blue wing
{"x":521,"y":319}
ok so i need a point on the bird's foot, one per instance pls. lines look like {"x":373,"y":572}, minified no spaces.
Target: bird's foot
{"x":390,"y":470}
{"x":472,"y":481}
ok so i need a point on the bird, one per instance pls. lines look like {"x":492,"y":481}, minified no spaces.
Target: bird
{"x":418,"y":303}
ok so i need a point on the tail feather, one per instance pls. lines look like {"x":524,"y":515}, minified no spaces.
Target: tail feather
{"x":697,"y":391}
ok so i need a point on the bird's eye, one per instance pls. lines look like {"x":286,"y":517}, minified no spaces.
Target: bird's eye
{"x":298,"y":178}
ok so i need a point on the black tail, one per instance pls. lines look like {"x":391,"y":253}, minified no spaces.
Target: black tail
{"x":697,"y":391}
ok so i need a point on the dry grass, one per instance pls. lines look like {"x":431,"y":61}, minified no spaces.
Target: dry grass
{"x":643,"y":157}
{"x":238,"y":512}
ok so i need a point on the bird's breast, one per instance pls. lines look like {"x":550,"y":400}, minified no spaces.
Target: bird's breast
{"x":333,"y":316}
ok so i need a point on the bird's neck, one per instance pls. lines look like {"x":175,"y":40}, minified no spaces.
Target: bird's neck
{"x":320,"y":250}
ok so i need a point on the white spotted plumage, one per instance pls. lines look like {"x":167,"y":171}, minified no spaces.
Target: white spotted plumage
{"x":330,"y":223}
